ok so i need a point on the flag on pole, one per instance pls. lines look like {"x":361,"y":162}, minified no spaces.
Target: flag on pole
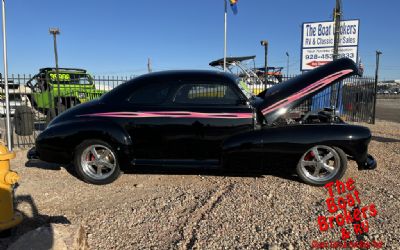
{"x":234,"y":6}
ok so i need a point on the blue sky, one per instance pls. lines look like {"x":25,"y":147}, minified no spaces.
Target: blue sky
{"x":117,"y":37}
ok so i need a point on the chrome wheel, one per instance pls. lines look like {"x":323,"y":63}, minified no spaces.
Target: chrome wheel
{"x":320,"y":163}
{"x":98,"y":162}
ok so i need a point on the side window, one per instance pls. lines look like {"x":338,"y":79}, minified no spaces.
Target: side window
{"x":154,"y":93}
{"x":206,"y":94}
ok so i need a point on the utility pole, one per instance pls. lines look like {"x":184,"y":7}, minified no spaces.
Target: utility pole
{"x":55,"y":32}
{"x":8,"y":118}
{"x":149,"y":69}
{"x":337,"y":14}
{"x":287,"y":65}
{"x":378,"y":53}
{"x":225,"y":30}
{"x":265,"y":44}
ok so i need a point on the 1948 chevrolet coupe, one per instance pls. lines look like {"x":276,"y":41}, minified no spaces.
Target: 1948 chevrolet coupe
{"x":198,"y":118}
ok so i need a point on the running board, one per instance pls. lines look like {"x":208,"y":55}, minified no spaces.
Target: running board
{"x":177,"y":163}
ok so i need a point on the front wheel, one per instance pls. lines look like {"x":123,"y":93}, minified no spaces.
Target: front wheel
{"x":95,"y":162}
{"x":322,"y":164}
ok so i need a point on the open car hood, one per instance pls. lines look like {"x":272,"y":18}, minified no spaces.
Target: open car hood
{"x":280,"y":98}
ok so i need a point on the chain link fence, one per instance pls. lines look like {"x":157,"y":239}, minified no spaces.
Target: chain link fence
{"x":36,"y":99}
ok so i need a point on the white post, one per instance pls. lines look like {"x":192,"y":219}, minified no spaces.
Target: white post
{"x":8,"y":125}
{"x":225,"y":28}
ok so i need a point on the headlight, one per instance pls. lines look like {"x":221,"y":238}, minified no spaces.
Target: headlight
{"x":82,"y":95}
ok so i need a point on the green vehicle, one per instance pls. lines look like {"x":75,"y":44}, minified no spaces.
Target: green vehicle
{"x":50,"y":94}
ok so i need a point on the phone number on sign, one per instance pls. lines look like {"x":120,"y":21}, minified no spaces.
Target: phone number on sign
{"x":329,"y":56}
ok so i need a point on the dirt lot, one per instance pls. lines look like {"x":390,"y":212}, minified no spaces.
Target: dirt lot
{"x":209,"y":211}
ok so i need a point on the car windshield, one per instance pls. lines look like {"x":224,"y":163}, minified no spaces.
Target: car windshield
{"x":68,"y":78}
{"x":244,"y":88}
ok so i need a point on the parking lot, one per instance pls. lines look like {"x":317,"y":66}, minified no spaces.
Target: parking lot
{"x":184,"y":210}
{"x":388,"y":108}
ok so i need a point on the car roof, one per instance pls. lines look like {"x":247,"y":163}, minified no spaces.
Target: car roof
{"x":168,"y":76}
{"x":189,"y":74}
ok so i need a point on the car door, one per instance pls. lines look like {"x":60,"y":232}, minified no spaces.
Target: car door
{"x":205,"y":114}
{"x":145,"y":124}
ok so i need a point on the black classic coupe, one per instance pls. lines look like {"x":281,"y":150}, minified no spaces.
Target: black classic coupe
{"x":207,"y":118}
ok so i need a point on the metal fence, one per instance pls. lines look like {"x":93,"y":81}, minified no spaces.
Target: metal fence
{"x":36,"y":99}
{"x":352,"y":98}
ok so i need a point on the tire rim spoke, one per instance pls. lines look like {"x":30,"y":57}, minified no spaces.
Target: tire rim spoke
{"x":327,"y":167}
{"x":94,"y":152}
{"x":327,"y":157}
{"x":316,"y":153}
{"x":317,"y":170}
{"x":99,"y":172}
{"x":108,"y":165}
{"x":309,"y":163}
{"x":91,"y":163}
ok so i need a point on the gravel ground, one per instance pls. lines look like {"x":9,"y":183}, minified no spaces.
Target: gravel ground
{"x":210,"y":211}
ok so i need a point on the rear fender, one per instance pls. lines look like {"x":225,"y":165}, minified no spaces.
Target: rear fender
{"x":66,"y":136}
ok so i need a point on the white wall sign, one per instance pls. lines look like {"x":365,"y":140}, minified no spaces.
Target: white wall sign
{"x":318,"y":41}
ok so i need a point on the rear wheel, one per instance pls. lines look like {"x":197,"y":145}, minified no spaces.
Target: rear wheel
{"x":95,"y":162}
{"x":322,"y":164}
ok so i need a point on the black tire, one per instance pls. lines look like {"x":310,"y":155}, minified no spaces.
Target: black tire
{"x":86,"y":172}
{"x":337,"y":171}
{"x":23,"y":121}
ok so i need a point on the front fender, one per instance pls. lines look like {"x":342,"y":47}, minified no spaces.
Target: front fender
{"x":58,"y":142}
{"x":291,"y":142}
